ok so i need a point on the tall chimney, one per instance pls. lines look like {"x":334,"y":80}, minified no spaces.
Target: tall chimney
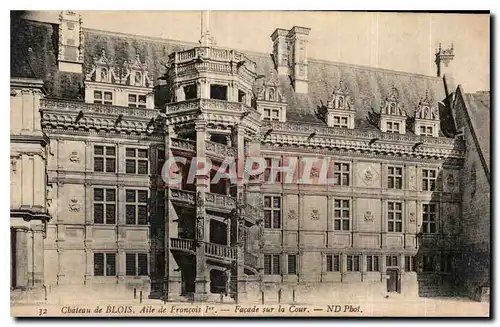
{"x":443,"y":60}
{"x":290,"y":55}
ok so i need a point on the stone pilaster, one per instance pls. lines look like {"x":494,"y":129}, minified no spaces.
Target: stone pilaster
{"x":21,"y":258}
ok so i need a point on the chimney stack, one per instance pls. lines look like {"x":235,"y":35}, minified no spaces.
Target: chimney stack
{"x":290,"y":55}
{"x":443,"y":60}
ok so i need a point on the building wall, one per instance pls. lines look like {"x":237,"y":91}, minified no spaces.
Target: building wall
{"x":476,"y":216}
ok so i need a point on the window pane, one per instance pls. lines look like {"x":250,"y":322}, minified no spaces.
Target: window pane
{"x":110,"y":165}
{"x":369,"y":263}
{"x":98,"y":264}
{"x":130,"y":214}
{"x":143,"y":196}
{"x":110,"y":151}
{"x":337,"y":224}
{"x":142,"y":215}
{"x":129,"y":152}
{"x":130,"y":166}
{"x":276,"y":265}
{"x":329,"y":263}
{"x":142,"y":262}
{"x":98,"y":194}
{"x":277,"y":202}
{"x":292,"y":265}
{"x":110,"y":264}
{"x":131,"y":98}
{"x":375,"y":263}
{"x":98,"y":150}
{"x":267,"y":264}
{"x":142,"y":153}
{"x":130,"y":195}
{"x":98,"y":213}
{"x":143,"y":167}
{"x":276,"y":219}
{"x":267,"y":219}
{"x":130,"y":264}
{"x":356,"y":263}
{"x":345,"y":225}
{"x":267,"y":201}
{"x":110,"y":195}
{"x":336,"y":263}
{"x":108,"y":96}
{"x":110,"y":214}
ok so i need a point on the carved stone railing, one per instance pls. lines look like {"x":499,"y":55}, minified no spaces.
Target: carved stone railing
{"x":251,"y":260}
{"x":63,"y":105}
{"x":183,"y":144}
{"x":204,"y":105}
{"x":221,"y":251}
{"x":210,"y":53}
{"x":220,"y":201}
{"x":181,"y":244}
{"x":220,"y":149}
{"x":321,"y":130}
{"x":187,"y":197}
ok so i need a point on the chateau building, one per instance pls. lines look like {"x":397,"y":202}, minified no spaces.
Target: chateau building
{"x":95,"y":117}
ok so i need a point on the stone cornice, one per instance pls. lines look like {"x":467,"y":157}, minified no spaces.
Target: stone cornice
{"x":29,"y":215}
{"x":27,"y":83}
{"x":315,"y":137}
{"x":40,"y":138}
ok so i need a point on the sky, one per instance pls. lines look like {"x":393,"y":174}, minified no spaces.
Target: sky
{"x":397,"y":41}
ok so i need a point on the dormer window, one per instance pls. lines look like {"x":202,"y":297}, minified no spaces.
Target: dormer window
{"x":103,"y":97}
{"x":427,"y":118}
{"x":340,"y":109}
{"x":136,"y":101}
{"x":271,"y":114}
{"x":393,"y":127}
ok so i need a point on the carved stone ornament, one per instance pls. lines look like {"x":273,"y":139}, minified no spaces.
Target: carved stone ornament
{"x":369,"y":216}
{"x":74,"y":157}
{"x":368,"y":175}
{"x":74,"y":205}
{"x":315,"y":214}
{"x":199,"y":200}
{"x":412,"y":217}
{"x":292,"y":214}
{"x":450,"y":180}
{"x":314,"y":172}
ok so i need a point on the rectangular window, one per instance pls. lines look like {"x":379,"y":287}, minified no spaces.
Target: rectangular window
{"x":341,"y":172}
{"x":333,"y":262}
{"x":272,"y":212}
{"x":104,"y":159}
{"x":394,"y":217}
{"x":352,"y":262}
{"x":136,"y":264}
{"x":410,"y":263}
{"x":429,"y":177}
{"x":446,"y":263}
{"x":272,"y":264}
{"x":271,"y":114}
{"x":395,"y":177}
{"x":136,"y":161}
{"x":341,"y":214}
{"x":241,"y":96}
{"x":292,"y":264}
{"x":429,"y":218}
{"x":136,"y":207}
{"x":136,"y":101}
{"x":218,"y":92}
{"x":391,"y":261}
{"x":103,"y":97}
{"x":104,"y":264}
{"x":339,"y":121}
{"x":272,"y":163}
{"x":428,"y":263}
{"x":190,"y":92}
{"x":426,"y":131}
{"x":392,"y":127}
{"x":372,"y":263}
{"x":104,"y":206}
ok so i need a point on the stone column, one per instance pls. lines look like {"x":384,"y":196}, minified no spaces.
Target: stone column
{"x":21,"y":258}
{"x":172,"y":278}
{"x":202,"y":186}
{"x":38,"y":255}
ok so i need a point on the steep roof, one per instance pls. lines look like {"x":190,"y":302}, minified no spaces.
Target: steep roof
{"x":478,"y":109}
{"x":368,"y":86}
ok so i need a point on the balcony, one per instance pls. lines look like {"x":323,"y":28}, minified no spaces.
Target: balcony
{"x":182,"y":144}
{"x":219,"y":201}
{"x":219,"y":149}
{"x":210,"y":53}
{"x":75,"y":107}
{"x":206,"y":105}
{"x":181,"y":244}
{"x":220,"y":251}
{"x":181,"y":196}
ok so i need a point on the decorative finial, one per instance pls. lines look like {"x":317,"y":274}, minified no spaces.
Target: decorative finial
{"x":206,"y":38}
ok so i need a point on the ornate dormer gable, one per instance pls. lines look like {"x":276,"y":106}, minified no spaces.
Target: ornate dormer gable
{"x":270,"y":90}
{"x":392,"y":114}
{"x":340,"y":108}
{"x":136,"y":73}
{"x":128,"y":86}
{"x":103,"y":70}
{"x":340,"y":98}
{"x":391,"y":104}
{"x":270,"y":101}
{"x":427,"y":117}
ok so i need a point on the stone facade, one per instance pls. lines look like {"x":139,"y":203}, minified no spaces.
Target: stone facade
{"x":91,"y":212}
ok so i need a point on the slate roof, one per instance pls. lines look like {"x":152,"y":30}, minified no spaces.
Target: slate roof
{"x":478,"y":107}
{"x":368,"y":86}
